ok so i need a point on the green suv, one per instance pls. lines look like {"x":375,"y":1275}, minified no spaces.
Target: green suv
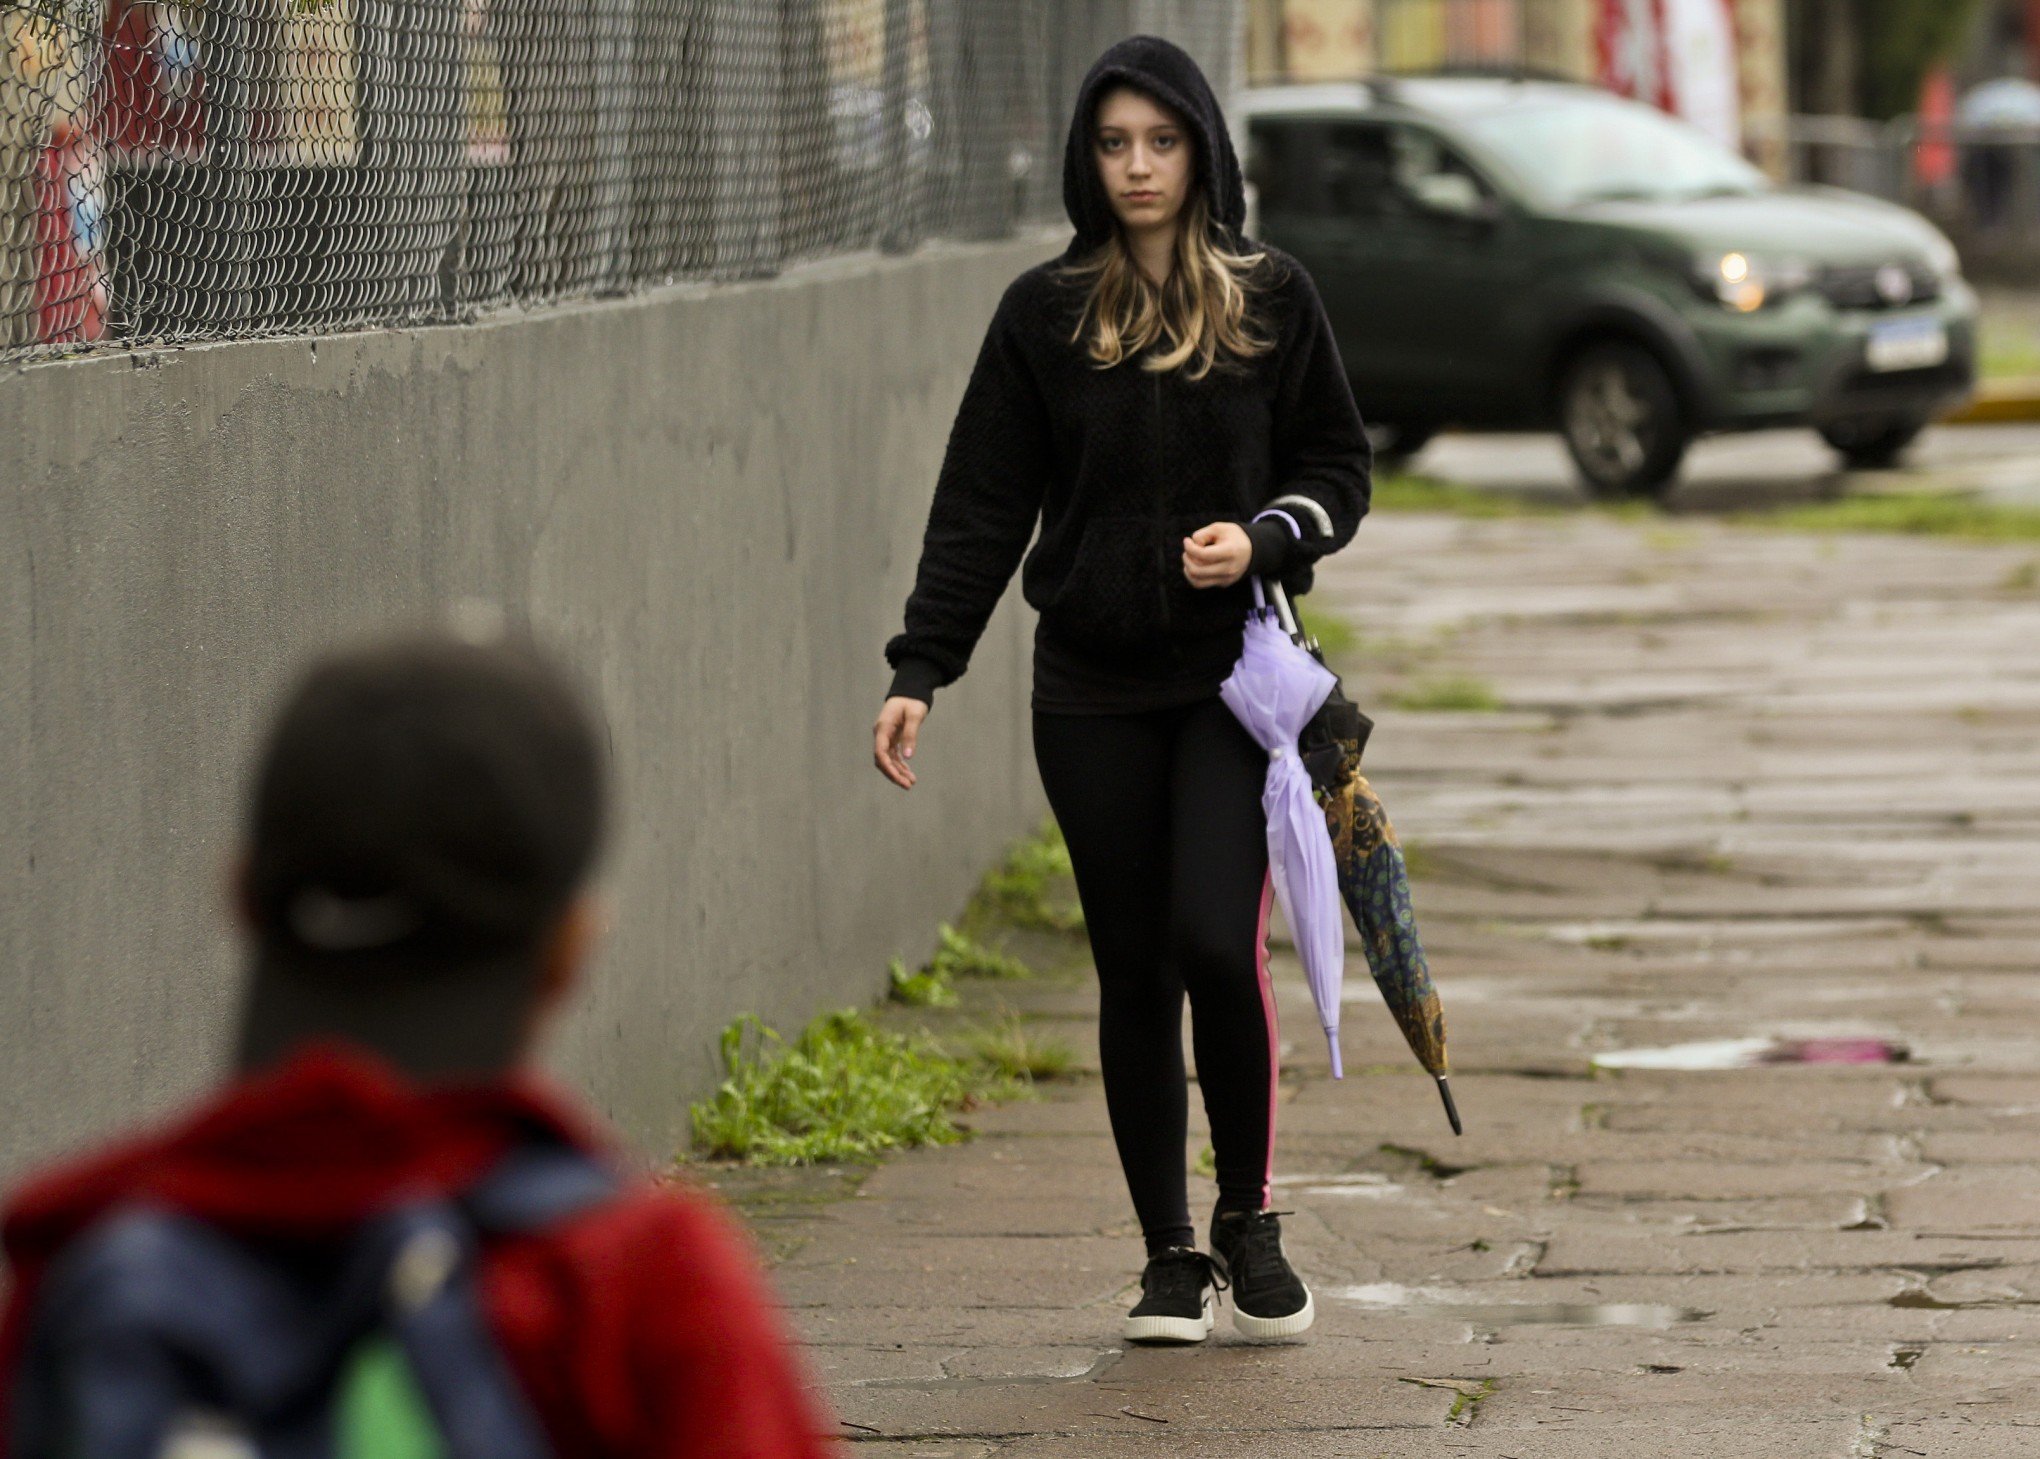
{"x":1501,"y":254}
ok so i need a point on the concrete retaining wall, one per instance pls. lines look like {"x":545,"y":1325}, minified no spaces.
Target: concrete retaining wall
{"x":710,"y":500}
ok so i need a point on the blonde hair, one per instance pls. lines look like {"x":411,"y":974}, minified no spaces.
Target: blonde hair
{"x":1201,"y":310}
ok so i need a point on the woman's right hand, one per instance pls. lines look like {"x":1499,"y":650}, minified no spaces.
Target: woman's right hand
{"x":894,"y":736}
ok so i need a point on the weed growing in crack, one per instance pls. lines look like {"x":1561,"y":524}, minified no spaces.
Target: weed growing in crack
{"x":1009,"y":1049}
{"x":843,"y":1090}
{"x":1424,"y":1160}
{"x":1467,"y":1403}
{"x":928,"y":988}
{"x":959,"y":955}
{"x":1017,"y":891}
{"x":1467,"y":1396}
{"x":1448,"y":693}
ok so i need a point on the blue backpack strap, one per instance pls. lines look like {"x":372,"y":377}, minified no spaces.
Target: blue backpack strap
{"x":535,"y":1186}
{"x":435,"y":1310}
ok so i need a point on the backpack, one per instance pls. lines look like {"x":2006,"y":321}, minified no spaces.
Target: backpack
{"x":157,"y":1336}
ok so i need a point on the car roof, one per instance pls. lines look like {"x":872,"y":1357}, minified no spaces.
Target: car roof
{"x":1445,"y":96}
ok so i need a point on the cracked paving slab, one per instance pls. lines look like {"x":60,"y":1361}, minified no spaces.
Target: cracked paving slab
{"x":1743,"y":787}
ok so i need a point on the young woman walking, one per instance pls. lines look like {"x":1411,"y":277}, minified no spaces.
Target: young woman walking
{"x":1145,"y":398}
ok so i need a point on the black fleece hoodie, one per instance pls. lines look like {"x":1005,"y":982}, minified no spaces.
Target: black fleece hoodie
{"x":1119,"y":465}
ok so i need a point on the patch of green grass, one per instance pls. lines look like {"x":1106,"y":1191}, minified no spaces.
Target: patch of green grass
{"x":1011,"y":1051}
{"x":1454,"y":693}
{"x":843,"y":1090}
{"x":1017,"y":890}
{"x":958,"y":955}
{"x":928,"y":988}
{"x":1206,"y":1163}
{"x":1335,"y":636}
{"x":2008,"y":345}
{"x":1419,"y":860}
{"x":1428,"y":494}
{"x":2024,"y":578}
{"x":1919,"y":514}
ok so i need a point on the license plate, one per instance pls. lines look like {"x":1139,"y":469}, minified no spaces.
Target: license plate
{"x":1906,"y":344}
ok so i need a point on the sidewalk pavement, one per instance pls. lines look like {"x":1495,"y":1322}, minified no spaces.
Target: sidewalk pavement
{"x":1746,"y":786}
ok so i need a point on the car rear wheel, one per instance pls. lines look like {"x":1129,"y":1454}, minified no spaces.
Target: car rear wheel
{"x":1398,"y":441}
{"x":1622,"y":423}
{"x":1873,"y":444}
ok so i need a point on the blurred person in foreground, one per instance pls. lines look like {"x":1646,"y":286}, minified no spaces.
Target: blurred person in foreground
{"x":385,"y":1236}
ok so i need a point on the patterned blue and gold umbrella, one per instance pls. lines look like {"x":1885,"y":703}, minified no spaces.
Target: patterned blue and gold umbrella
{"x":1374,"y":880}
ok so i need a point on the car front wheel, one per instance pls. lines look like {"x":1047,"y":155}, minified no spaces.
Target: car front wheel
{"x":1622,"y":423}
{"x":1395,"y":442}
{"x":1872,"y":445}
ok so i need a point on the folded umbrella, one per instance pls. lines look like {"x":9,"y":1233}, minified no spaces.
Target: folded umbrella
{"x":1273,"y":691}
{"x":1376,"y":884}
{"x":1373,"y":877}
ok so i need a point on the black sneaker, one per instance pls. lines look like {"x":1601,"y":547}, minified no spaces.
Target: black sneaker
{"x":1178,"y":1298}
{"x":1269,"y":1299}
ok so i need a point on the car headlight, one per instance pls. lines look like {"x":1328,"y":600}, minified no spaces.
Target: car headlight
{"x":1745,"y":282}
{"x":1942,"y":257}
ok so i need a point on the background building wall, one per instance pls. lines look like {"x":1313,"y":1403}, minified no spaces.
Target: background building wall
{"x":710,"y":500}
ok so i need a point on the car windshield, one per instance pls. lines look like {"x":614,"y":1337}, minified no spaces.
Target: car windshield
{"x":1610,"y":151}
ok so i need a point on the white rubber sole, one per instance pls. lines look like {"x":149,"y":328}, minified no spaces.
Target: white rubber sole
{"x":1266,"y":1327}
{"x":1172,"y":1329}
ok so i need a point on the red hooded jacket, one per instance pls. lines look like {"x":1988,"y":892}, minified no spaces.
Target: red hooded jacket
{"x":640,"y":1329}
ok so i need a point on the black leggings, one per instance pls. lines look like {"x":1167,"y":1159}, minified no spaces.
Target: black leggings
{"x":1162,"y":812}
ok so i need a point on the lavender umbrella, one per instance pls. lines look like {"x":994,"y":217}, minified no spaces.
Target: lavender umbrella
{"x":1273,"y":691}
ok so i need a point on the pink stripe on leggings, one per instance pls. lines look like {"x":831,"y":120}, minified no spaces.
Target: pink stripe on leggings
{"x":1274,"y":1040}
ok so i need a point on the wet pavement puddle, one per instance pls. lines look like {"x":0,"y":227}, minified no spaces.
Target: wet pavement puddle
{"x":1756,"y":1053}
{"x":1365,"y":1186}
{"x":1461,"y":1307}
{"x":1072,"y":1374}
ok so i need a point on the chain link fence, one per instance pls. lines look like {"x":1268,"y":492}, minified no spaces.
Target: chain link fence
{"x":223,"y":169}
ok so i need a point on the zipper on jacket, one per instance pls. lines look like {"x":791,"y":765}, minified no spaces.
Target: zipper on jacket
{"x":1163,"y":516}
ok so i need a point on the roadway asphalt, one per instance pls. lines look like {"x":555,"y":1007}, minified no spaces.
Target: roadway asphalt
{"x":1998,"y":462}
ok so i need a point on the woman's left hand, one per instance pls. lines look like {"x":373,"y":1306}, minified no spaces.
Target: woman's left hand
{"x":1217,"y":556}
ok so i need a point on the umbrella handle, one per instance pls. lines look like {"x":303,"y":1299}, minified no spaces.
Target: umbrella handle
{"x":1284,"y":614}
{"x":1283,"y":611}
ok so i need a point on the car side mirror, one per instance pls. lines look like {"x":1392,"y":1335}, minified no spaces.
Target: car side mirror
{"x":1454,"y":195}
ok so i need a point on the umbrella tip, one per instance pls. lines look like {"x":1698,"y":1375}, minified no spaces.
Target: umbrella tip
{"x":1451,"y":1109}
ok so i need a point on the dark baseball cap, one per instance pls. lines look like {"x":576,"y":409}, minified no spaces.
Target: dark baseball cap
{"x":424,"y":811}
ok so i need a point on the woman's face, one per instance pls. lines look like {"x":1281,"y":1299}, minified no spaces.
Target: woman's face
{"x":1145,"y":159}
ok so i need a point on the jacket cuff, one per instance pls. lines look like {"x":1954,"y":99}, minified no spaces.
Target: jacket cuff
{"x":1272,"y":540}
{"x":916,"y":679}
